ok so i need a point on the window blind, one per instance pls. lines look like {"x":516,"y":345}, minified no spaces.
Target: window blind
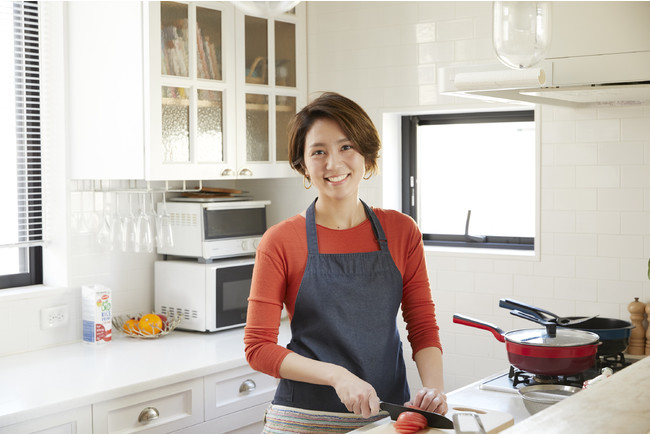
{"x":21,"y":137}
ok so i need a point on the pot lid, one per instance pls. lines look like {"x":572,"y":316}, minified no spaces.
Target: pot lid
{"x":563,"y":337}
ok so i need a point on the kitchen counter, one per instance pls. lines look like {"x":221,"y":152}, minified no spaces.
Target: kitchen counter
{"x":68,"y":376}
{"x":619,"y":404}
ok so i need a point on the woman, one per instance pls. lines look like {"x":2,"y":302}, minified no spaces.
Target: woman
{"x":342,"y":270}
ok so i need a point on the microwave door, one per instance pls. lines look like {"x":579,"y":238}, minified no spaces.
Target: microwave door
{"x":232,"y":290}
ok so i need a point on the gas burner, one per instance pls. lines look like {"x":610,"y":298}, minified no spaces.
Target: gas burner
{"x":524,"y":378}
{"x":616,"y":362}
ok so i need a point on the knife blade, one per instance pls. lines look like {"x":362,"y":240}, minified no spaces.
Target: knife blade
{"x":434,"y":420}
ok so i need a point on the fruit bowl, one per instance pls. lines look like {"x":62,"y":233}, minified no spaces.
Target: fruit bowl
{"x":147,"y":326}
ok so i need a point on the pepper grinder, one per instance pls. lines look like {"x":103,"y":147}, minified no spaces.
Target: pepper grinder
{"x":647,"y":335}
{"x":637,"y":334}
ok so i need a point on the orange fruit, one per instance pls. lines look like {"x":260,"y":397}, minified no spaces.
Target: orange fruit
{"x":150,"y":324}
{"x":131,"y":326}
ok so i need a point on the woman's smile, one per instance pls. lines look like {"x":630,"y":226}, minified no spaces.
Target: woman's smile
{"x":332,"y":161}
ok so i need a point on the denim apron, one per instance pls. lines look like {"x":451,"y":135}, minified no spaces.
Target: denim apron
{"x":345,"y":313}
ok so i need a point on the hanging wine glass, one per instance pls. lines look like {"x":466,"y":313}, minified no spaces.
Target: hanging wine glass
{"x":143,"y":228}
{"x":92,"y":218}
{"x":164,"y":236}
{"x":128,"y":229}
{"x":115,"y":224}
{"x":521,"y":32}
{"x":104,"y":233}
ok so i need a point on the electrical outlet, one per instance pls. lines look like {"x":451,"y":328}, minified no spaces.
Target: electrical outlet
{"x":52,"y":317}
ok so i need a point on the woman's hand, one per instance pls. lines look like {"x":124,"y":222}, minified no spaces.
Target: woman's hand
{"x":430,"y":400}
{"x":358,"y":396}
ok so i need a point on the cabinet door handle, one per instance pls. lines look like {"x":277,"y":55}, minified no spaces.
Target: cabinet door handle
{"x":247,"y":386}
{"x":148,"y":414}
{"x":228,"y":172}
{"x":245,"y":172}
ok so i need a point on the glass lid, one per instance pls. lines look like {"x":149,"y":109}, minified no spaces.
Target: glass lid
{"x":563,"y":337}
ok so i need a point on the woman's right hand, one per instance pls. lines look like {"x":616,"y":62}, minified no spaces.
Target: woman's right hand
{"x":358,"y":396}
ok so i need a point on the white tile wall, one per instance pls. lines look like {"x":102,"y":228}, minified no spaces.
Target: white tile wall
{"x":595,"y":176}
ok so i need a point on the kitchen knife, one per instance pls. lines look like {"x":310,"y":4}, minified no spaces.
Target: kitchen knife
{"x":434,"y":420}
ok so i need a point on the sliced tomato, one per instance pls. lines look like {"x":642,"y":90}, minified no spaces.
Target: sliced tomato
{"x":410,"y":422}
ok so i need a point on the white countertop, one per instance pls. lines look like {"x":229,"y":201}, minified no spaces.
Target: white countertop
{"x":68,"y":376}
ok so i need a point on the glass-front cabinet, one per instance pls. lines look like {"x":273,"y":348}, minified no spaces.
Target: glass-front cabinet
{"x":271,"y":74}
{"x":192,"y":90}
{"x":183,"y":90}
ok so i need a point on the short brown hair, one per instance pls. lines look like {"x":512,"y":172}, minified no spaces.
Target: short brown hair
{"x":352,"y":119}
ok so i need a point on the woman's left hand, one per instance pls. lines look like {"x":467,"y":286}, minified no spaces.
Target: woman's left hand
{"x":430,"y":400}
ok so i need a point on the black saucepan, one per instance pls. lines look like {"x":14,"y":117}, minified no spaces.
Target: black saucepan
{"x":614,"y":334}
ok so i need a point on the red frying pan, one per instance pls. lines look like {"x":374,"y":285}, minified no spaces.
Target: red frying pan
{"x":536,"y":351}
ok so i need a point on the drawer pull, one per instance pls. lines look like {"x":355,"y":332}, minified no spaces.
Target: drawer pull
{"x":148,"y":414}
{"x":228,"y":172}
{"x":247,"y":386}
{"x":245,"y":172}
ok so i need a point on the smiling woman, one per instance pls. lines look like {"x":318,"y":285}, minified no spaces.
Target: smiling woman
{"x":20,"y":164}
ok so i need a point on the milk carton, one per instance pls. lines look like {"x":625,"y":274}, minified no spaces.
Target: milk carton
{"x":96,"y":313}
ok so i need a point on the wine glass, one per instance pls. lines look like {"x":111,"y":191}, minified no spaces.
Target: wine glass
{"x":143,"y":228}
{"x":164,"y":237}
{"x":104,"y":234}
{"x":115,"y":224}
{"x":92,"y":218}
{"x":128,"y":229}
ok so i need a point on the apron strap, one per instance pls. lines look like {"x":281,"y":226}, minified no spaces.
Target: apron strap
{"x":312,"y":237}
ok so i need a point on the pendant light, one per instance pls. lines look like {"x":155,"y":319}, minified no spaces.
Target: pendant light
{"x":521,"y":32}
{"x":267,"y":9}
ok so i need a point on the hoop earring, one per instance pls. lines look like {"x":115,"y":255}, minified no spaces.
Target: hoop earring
{"x":304,"y":182}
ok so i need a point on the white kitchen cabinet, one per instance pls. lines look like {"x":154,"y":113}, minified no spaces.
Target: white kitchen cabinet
{"x":271,"y":83}
{"x":160,"y":410}
{"x":147,"y":99}
{"x":77,"y":421}
{"x":153,"y":91}
{"x":235,"y":400}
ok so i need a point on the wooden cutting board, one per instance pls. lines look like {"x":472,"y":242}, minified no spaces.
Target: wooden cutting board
{"x":493,"y":422}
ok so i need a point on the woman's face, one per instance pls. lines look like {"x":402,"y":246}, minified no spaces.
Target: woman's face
{"x":332,"y":161}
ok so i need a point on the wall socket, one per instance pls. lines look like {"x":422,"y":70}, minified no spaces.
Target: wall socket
{"x":52,"y":317}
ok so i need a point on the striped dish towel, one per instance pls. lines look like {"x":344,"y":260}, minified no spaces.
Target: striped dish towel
{"x":282,"y":420}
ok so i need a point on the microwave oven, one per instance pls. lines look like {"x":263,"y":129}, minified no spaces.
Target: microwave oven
{"x":211,"y":230}
{"x":209,"y":296}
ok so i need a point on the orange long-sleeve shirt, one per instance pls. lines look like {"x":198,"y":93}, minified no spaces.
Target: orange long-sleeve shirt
{"x":280,"y":264}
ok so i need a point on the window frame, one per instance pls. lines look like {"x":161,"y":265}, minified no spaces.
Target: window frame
{"x":409,"y":181}
{"x":28,"y":127}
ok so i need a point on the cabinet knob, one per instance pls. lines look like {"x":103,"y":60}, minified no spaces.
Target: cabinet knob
{"x":148,"y":414}
{"x":247,"y":386}
{"x":228,"y":172}
{"x":245,"y":172}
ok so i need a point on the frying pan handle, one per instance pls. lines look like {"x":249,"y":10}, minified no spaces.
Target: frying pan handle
{"x":465,"y":320}
{"x":511,"y":304}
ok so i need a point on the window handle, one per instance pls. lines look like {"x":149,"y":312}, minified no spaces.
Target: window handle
{"x":472,"y":238}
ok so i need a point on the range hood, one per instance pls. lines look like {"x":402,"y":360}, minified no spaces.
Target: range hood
{"x":602,"y":61}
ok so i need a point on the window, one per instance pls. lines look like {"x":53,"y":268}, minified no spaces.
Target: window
{"x":469,"y":179}
{"x":21,"y":229}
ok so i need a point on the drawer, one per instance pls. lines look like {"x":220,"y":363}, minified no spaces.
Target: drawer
{"x":235,"y":390}
{"x":160,"y":410}
{"x":248,"y":421}
{"x":65,"y":422}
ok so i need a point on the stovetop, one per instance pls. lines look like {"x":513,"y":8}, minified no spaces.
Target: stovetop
{"x":515,"y":379}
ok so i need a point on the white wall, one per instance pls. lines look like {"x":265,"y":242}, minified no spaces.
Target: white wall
{"x":595,"y":173}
